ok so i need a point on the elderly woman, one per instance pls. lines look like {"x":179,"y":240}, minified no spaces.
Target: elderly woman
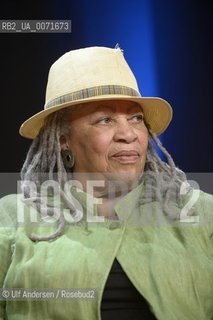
{"x":101,"y":221}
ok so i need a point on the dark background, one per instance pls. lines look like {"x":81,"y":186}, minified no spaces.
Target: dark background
{"x":168,"y":44}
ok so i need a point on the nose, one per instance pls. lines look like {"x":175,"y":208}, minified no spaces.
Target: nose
{"x":124,"y":132}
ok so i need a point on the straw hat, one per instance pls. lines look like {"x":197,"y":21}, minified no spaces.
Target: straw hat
{"x":95,"y":74}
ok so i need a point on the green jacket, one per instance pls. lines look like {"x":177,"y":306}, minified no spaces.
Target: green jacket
{"x":170,"y":263}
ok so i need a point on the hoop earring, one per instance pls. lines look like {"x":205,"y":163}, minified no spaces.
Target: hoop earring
{"x":68,"y":158}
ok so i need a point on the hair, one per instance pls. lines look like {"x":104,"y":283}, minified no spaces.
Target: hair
{"x":162,"y":180}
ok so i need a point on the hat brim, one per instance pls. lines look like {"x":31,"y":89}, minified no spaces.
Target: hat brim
{"x":157,"y":113}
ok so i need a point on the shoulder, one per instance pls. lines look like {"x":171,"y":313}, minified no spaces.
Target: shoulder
{"x":8,"y":200}
{"x":8,"y":210}
{"x":205,"y":207}
{"x":205,"y":197}
{"x":202,"y":199}
{"x":9,"y":203}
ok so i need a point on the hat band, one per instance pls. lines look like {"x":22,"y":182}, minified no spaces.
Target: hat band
{"x":93,"y":92}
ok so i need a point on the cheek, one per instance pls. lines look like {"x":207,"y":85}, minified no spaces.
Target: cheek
{"x":101,"y":144}
{"x":90,"y":142}
{"x":143,"y":140}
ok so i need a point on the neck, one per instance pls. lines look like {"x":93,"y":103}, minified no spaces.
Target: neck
{"x":108,"y":190}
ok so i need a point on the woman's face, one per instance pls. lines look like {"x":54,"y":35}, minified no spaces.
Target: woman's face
{"x":108,"y":137}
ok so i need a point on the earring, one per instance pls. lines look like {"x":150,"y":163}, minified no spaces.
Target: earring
{"x":68,"y":158}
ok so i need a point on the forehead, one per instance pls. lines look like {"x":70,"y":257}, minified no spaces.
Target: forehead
{"x":105,"y":106}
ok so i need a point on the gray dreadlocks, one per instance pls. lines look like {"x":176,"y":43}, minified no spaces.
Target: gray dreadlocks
{"x":162,"y":180}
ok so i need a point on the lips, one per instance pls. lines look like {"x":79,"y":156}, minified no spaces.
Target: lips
{"x":126,"y":153}
{"x":126,"y":156}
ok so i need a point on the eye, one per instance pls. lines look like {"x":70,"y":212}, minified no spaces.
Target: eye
{"x":137,"y":118}
{"x":105,"y":120}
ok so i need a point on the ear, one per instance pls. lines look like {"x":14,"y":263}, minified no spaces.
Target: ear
{"x":64,"y":142}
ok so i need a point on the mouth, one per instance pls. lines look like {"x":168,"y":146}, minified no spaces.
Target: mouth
{"x":126,"y":157}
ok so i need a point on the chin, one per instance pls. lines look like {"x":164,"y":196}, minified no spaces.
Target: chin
{"x":128,"y":176}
